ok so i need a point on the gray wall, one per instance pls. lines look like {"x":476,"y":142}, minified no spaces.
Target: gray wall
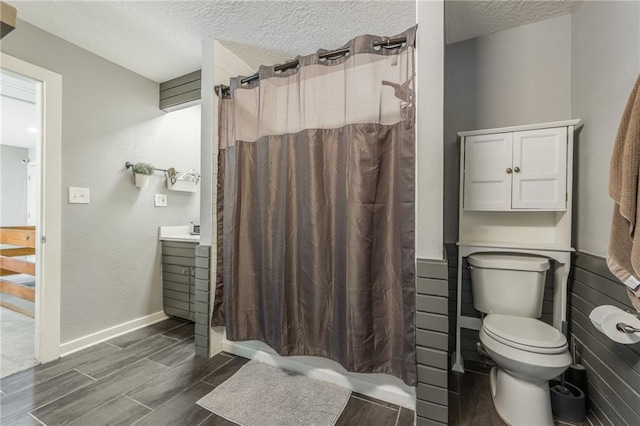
{"x":613,"y":370}
{"x":13,"y":185}
{"x":110,"y":253}
{"x":517,"y":76}
{"x":605,"y":64}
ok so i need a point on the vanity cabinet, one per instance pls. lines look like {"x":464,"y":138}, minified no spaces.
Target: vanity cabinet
{"x":178,"y":279}
{"x":523,"y":170}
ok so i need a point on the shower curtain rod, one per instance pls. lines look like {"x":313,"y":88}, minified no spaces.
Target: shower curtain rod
{"x":389,"y":44}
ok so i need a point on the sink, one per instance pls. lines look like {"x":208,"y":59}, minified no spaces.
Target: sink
{"x":177,"y":233}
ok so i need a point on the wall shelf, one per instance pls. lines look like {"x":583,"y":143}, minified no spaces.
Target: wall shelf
{"x":176,"y":181}
{"x":182,"y":185}
{"x":525,"y":246}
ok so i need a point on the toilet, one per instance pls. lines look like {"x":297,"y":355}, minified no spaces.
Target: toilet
{"x":509,"y":289}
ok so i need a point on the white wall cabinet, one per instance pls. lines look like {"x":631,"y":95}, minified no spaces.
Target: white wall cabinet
{"x":516,"y":170}
{"x":487,"y":185}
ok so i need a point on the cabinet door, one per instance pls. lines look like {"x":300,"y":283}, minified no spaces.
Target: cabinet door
{"x":540,"y":169}
{"x":487,"y":172}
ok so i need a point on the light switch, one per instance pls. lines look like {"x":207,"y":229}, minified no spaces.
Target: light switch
{"x":161,"y":200}
{"x":78,"y":195}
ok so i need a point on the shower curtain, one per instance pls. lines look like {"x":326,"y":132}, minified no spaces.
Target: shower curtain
{"x":316,"y":208}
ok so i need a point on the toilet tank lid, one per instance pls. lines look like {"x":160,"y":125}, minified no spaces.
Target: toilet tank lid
{"x":517,"y":262}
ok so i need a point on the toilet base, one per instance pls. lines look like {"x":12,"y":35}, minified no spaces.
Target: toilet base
{"x":520,"y":402}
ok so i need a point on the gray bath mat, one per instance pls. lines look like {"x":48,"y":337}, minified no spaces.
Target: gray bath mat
{"x":262,"y":395}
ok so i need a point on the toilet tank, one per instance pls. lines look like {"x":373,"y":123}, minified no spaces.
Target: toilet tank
{"x":509,"y":284}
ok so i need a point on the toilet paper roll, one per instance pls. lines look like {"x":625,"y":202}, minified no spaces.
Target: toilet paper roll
{"x":598,"y":313}
{"x":605,"y":318}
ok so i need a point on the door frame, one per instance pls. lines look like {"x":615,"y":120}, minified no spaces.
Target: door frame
{"x":48,"y":205}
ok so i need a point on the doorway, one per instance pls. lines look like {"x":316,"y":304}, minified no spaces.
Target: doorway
{"x":18,"y":184}
{"x":30,"y":205}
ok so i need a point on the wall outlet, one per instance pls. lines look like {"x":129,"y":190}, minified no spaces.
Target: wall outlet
{"x":161,"y":200}
{"x":78,"y":195}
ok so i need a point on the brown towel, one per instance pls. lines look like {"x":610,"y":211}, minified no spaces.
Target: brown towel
{"x":624,"y":178}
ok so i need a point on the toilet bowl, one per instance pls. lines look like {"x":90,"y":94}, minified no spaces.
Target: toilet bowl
{"x":528,"y":353}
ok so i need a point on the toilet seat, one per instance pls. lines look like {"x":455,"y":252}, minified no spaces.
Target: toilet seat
{"x":527,"y":334}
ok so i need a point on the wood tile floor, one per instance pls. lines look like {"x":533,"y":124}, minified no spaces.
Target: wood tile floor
{"x":150,"y":376}
{"x":470,"y":400}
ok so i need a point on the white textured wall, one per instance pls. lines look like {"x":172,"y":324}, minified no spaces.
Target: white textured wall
{"x":429,"y":125}
{"x":605,"y":65}
{"x":219,"y":64}
{"x":13,"y":185}
{"x":517,"y":76}
{"x":111,"y":269}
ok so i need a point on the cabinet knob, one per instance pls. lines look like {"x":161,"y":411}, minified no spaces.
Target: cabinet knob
{"x":516,"y":169}
{"x":509,"y":170}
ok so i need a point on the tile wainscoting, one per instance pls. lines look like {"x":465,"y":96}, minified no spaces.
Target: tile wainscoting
{"x":432,"y":327}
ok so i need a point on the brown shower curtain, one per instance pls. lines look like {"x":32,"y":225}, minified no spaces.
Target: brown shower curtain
{"x":316,"y":176}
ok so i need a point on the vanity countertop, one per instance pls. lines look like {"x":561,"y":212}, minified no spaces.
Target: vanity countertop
{"x":177,"y":233}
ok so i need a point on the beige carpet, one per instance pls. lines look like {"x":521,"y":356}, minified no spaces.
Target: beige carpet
{"x":16,"y":342}
{"x":262,"y":395}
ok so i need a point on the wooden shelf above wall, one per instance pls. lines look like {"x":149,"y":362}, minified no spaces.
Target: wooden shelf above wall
{"x":549,"y":125}
{"x":550,"y":229}
{"x":508,"y":245}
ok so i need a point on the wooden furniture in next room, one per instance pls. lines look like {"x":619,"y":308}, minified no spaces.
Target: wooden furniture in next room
{"x":13,"y":261}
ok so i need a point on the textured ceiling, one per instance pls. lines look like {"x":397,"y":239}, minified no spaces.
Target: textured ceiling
{"x":469,"y":19}
{"x":161,"y":39}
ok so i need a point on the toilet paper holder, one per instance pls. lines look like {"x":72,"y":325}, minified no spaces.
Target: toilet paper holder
{"x":626,"y":328}
{"x":619,"y":325}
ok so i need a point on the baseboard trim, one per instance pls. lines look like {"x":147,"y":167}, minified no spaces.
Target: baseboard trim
{"x":328,"y":371}
{"x":109,"y":333}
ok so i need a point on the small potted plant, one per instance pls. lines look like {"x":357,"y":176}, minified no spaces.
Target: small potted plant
{"x":142,"y":172}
